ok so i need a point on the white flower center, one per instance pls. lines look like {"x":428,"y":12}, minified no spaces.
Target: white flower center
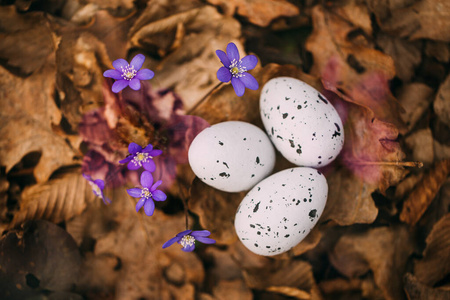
{"x":140,"y":158}
{"x":146,"y":193}
{"x":187,"y":240}
{"x":95,"y":188}
{"x":236,"y":68}
{"x":128,"y":72}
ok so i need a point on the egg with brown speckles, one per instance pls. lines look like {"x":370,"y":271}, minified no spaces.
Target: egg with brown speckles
{"x":232,"y":156}
{"x":301,"y":123}
{"x":280,"y":211}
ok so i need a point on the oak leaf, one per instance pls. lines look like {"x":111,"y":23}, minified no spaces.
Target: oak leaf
{"x":442,"y":102}
{"x":416,"y":290}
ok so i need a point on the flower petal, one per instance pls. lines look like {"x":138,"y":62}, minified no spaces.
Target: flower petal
{"x":171,"y":242}
{"x":133,"y":166}
{"x":106,"y":200}
{"x":249,"y":62}
{"x":183,"y":233}
{"x":137,"y":61}
{"x":100,"y":183}
{"x":120,"y":63}
{"x":188,"y":248}
{"x":155,"y":185}
{"x":145,"y":74}
{"x":147,"y":148}
{"x":239,"y":87}
{"x":126,"y":159}
{"x":135,"y":84}
{"x":155,"y":152}
{"x":135,"y":192}
{"x":119,"y":85}
{"x":200,"y":233}
{"x":146,"y":179}
{"x":140,"y":204}
{"x":224,"y":74}
{"x":133,"y":148}
{"x":149,"y":207}
{"x":232,"y":52}
{"x":149,"y":165}
{"x":205,"y":240}
{"x":223,"y":58}
{"x":114,"y":74}
{"x":87,"y":177}
{"x":159,"y":195}
{"x":249,"y":81}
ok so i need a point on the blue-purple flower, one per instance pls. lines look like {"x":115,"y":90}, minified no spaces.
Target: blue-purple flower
{"x":147,"y":193}
{"x":141,"y":157}
{"x":235,"y":69}
{"x":187,"y":239}
{"x":98,"y":186}
{"x":128,"y":74}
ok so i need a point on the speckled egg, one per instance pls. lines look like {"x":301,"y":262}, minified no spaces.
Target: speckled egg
{"x":232,"y":156}
{"x":302,"y":124}
{"x":280,"y":211}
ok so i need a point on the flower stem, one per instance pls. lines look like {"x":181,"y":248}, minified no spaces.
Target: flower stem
{"x":185,"y":206}
{"x":204,"y":98}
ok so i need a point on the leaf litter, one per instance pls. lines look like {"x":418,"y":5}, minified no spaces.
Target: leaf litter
{"x":382,"y":65}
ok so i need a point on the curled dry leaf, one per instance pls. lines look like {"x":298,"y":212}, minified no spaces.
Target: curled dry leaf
{"x":438,"y":50}
{"x":27,"y":39}
{"x":435,"y":264}
{"x":43,"y":258}
{"x":424,"y":192}
{"x":57,"y":200}
{"x":216,"y":210}
{"x":415,"y":98}
{"x":383,"y":250}
{"x":231,"y":290}
{"x":27,"y":118}
{"x":428,"y":19}
{"x":351,"y":67}
{"x":420,"y":143}
{"x":442,"y":102}
{"x":258,"y":12}
{"x":416,"y":290}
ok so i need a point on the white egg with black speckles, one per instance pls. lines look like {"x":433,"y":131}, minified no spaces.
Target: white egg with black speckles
{"x":280,"y":211}
{"x":232,"y":156}
{"x":302,"y":124}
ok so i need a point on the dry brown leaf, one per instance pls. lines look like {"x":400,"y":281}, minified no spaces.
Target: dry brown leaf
{"x":420,"y":143}
{"x":415,"y":98}
{"x":216,"y":210}
{"x":425,"y":19}
{"x":290,"y":292}
{"x":419,"y":291}
{"x":27,"y":118}
{"x":442,"y":102}
{"x":407,"y":185}
{"x":258,"y":12}
{"x":407,"y":55}
{"x":308,"y":243}
{"x":232,"y":290}
{"x":438,"y":50}
{"x":435,"y":264}
{"x":383,"y":250}
{"x":343,"y":286}
{"x":424,"y":192}
{"x":27,"y":39}
{"x":352,"y":68}
{"x":57,"y":200}
{"x":384,"y":8}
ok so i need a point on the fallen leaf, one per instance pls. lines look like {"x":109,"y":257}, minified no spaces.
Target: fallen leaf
{"x":57,"y":200}
{"x":43,"y":258}
{"x":406,"y":55}
{"x":336,"y":287}
{"x":216,"y":210}
{"x":442,"y":102}
{"x":231,"y":290}
{"x":382,"y":250}
{"x":407,"y":185}
{"x":353,"y":70}
{"x":438,"y":50}
{"x":27,"y":39}
{"x":385,"y":8}
{"x":424,"y":192}
{"x":308,"y":243}
{"x":418,"y":291}
{"x":426,"y":19}
{"x":258,"y":12}
{"x":28,"y":115}
{"x":435,"y":264}
{"x":420,"y":143}
{"x":415,"y":98}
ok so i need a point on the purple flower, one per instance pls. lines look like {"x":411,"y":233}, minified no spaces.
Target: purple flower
{"x":141,"y":157}
{"x":235,"y":69}
{"x":187,"y":239}
{"x":128,"y":74}
{"x":147,"y":194}
{"x":98,"y":186}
